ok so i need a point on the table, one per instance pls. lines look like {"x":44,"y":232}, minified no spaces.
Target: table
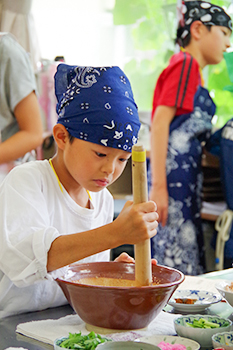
{"x":9,"y":338}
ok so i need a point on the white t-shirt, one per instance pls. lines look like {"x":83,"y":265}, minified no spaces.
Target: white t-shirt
{"x":33,"y":212}
{"x":17,"y":81}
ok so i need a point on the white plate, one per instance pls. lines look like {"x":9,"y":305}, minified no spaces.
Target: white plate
{"x":203,"y":300}
{"x":156,"y":339}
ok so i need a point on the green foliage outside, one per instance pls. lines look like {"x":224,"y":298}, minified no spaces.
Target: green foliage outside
{"x":152,"y":25}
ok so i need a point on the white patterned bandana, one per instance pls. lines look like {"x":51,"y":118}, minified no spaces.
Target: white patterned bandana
{"x":96,"y":104}
{"x":208,"y":14}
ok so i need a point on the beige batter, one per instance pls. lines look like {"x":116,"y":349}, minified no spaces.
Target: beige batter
{"x":108,"y":282}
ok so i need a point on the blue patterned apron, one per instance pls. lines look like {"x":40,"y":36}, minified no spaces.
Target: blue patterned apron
{"x":180,"y":243}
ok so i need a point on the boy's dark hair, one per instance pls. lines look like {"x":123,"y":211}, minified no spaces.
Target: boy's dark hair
{"x":184,"y":42}
{"x":71,"y":138}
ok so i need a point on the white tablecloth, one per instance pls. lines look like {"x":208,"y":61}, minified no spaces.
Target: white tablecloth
{"x":49,"y":330}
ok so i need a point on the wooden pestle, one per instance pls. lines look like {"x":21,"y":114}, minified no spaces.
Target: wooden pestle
{"x":142,"y":250}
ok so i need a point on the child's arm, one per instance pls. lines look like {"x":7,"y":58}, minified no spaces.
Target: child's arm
{"x":134,"y":224}
{"x":29,"y":136}
{"x":159,"y":143}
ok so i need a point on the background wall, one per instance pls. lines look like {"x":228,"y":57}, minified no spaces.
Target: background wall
{"x":137,"y":35}
{"x":82,"y":31}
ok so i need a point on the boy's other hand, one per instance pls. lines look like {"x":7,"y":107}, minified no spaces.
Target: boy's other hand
{"x":126,"y":258}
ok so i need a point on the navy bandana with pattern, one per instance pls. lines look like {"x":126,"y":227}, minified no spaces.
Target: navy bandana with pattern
{"x":96,"y":104}
{"x":207,"y":13}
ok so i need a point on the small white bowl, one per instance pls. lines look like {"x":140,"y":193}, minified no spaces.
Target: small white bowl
{"x":58,"y":341}
{"x":114,"y":345}
{"x":228,"y":295}
{"x":223,"y":340}
{"x":202,"y":335}
{"x":203,"y":300}
{"x":126,"y":345}
{"x":171,"y":339}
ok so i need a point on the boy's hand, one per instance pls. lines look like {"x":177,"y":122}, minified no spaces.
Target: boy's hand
{"x":126,"y":258}
{"x":136,"y":222}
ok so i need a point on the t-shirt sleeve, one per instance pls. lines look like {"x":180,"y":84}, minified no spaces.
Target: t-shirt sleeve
{"x":19,"y":79}
{"x":178,"y":84}
{"x":26,"y":232}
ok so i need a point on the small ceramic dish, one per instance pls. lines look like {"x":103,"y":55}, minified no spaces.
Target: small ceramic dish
{"x":201,"y":335}
{"x":126,"y":345}
{"x":201,"y":300}
{"x":223,"y":289}
{"x":223,"y":340}
{"x":156,"y":339}
{"x":58,"y":341}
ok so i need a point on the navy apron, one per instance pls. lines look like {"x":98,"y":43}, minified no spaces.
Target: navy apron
{"x":180,"y":243}
{"x":226,"y":171}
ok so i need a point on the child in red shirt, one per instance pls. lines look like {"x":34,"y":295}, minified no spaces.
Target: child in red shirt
{"x":181,"y":121}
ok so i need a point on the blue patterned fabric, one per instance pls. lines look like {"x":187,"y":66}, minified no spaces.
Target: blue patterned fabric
{"x":226,"y":169}
{"x":221,"y":145}
{"x":180,"y":243}
{"x":96,"y":104}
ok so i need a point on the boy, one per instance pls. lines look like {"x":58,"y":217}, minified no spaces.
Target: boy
{"x":181,"y":121}
{"x":58,"y":212}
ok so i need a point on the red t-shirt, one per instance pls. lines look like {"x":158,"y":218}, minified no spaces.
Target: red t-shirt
{"x":178,"y":83}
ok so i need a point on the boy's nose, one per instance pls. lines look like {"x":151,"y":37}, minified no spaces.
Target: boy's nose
{"x":228,"y":43}
{"x":109,"y":167}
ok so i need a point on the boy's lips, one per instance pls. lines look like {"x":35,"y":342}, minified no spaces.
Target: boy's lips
{"x":102,"y":182}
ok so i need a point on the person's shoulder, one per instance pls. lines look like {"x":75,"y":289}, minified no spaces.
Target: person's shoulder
{"x":11,"y":49}
{"x":8,"y":41}
{"x":33,"y":165}
{"x":181,"y":58}
{"x":180,"y":64}
{"x":6,"y":38}
{"x":28,"y":172}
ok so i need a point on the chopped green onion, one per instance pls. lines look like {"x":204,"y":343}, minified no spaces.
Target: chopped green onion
{"x":202,"y":323}
{"x":85,"y":342}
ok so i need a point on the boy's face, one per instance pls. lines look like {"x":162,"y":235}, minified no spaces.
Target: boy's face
{"x":93,"y":166}
{"x":214,"y":43}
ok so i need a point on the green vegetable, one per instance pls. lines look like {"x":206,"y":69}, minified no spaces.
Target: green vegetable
{"x":85,"y":342}
{"x":202,"y":323}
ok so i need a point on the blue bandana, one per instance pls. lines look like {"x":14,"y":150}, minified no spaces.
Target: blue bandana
{"x":209,"y":14}
{"x":97,"y":105}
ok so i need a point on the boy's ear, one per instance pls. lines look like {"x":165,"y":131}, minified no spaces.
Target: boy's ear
{"x":60,"y":135}
{"x":196,"y":29}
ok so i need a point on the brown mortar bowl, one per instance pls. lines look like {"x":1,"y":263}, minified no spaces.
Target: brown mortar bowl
{"x":118,"y":308}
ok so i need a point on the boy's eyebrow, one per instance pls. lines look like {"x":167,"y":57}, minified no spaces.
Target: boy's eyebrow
{"x":128,"y":156}
{"x":228,"y":31}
